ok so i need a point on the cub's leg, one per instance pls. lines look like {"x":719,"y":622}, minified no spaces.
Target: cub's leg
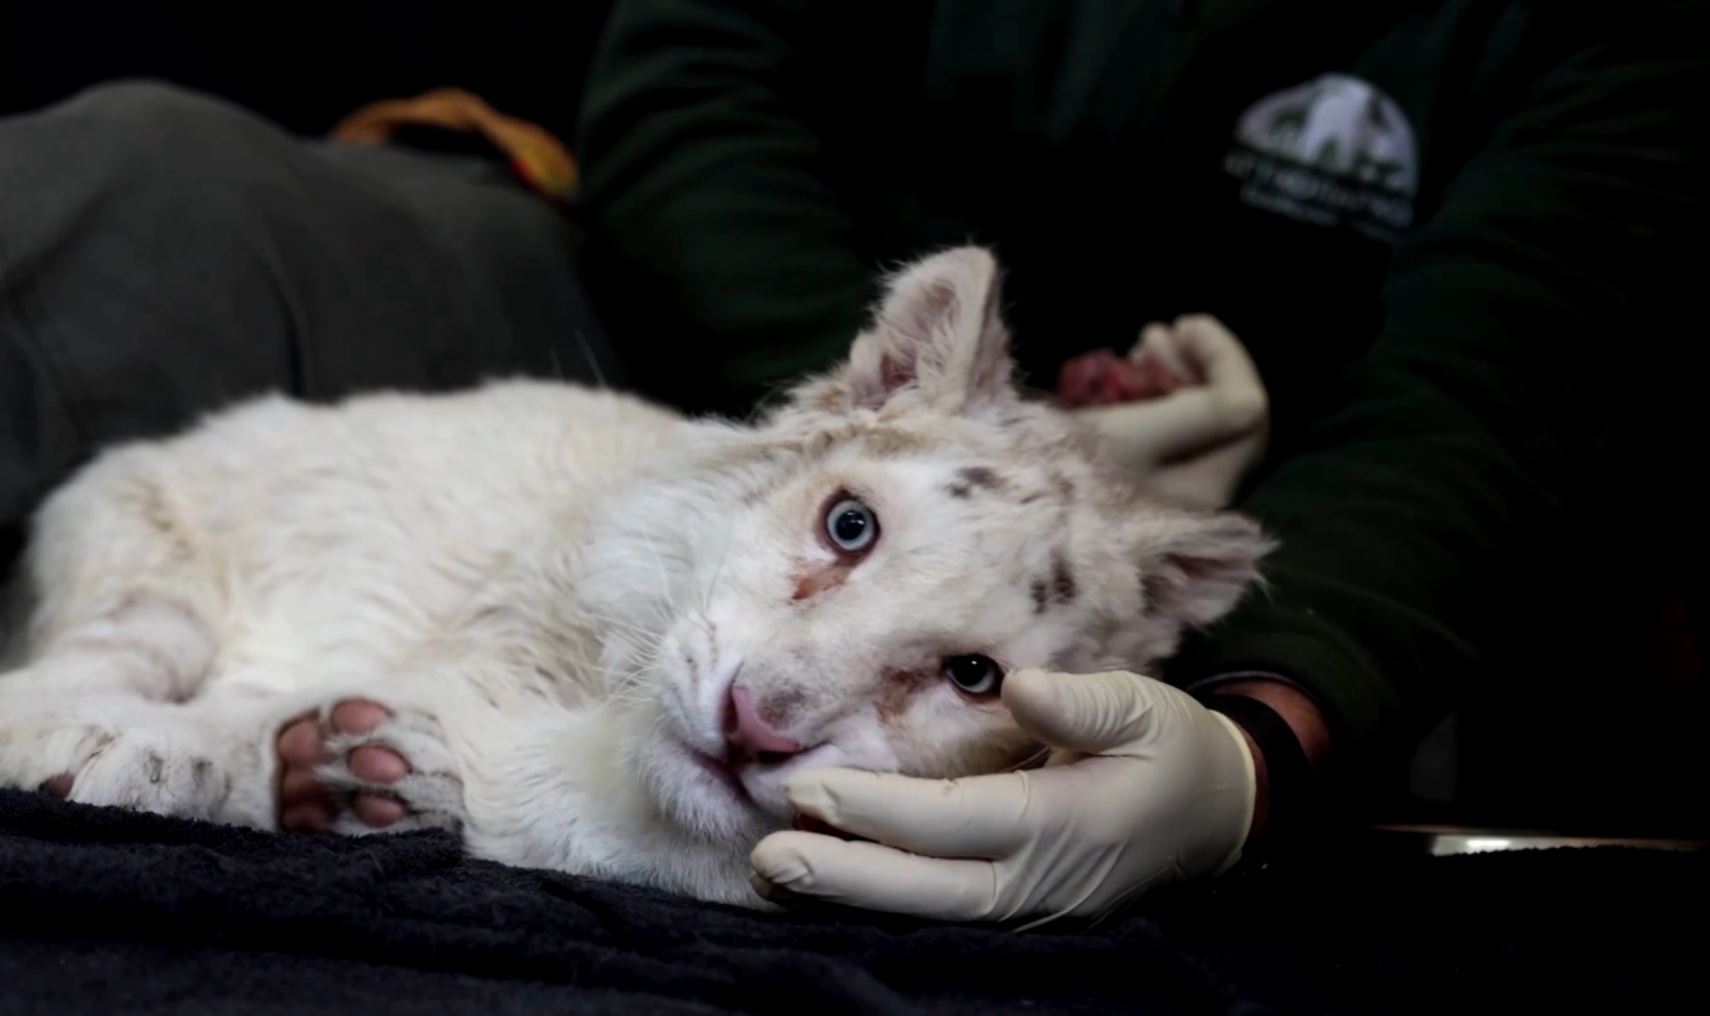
{"x":123,"y":607}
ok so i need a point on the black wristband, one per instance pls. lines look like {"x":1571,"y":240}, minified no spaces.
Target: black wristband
{"x":1287,"y":774}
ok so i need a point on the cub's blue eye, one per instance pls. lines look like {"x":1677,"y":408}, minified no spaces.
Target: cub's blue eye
{"x":851,"y":525}
{"x":974,"y":674}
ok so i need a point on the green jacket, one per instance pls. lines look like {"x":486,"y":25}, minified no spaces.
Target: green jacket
{"x":1447,"y":232}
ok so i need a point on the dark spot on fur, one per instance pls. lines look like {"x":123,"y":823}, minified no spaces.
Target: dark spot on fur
{"x":813,"y":583}
{"x":202,"y":771}
{"x":1154,"y":590}
{"x":1064,"y":486}
{"x":778,"y":708}
{"x":155,"y":767}
{"x":1033,"y":497}
{"x":980,"y":476}
{"x":156,"y":512}
{"x":973,"y":478}
{"x":900,"y":686}
{"x":1063,"y":585}
{"x":1041,"y":597}
{"x":102,"y":741}
{"x":490,"y":614}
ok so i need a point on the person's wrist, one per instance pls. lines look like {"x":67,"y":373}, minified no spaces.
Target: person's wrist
{"x":1288,"y":738}
{"x":1261,"y":784}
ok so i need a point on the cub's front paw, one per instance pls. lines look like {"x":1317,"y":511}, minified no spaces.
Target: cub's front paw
{"x":162,"y":770}
{"x":358,"y":767}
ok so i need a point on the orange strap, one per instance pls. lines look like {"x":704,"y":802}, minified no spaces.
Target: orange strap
{"x":536,"y":156}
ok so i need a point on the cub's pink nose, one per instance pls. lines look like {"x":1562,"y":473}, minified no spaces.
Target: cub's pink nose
{"x":748,"y":733}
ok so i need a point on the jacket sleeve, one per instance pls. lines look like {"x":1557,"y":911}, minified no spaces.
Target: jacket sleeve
{"x":1450,"y":502}
{"x":714,"y":229}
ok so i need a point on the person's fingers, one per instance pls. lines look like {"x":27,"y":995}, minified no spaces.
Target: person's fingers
{"x":1086,"y":713}
{"x":875,"y":877}
{"x":1157,"y":345}
{"x":1149,"y":379}
{"x":1214,"y":350}
{"x":1165,"y":428}
{"x":300,"y":743}
{"x":1153,"y":341}
{"x":973,"y":817}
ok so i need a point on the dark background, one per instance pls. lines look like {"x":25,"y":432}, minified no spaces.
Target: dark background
{"x":1616,"y":753}
{"x":306,"y":65}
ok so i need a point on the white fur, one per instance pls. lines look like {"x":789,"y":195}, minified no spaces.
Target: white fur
{"x":551,"y":588}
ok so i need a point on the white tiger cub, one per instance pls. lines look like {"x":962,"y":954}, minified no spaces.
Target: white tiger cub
{"x":604,"y":634}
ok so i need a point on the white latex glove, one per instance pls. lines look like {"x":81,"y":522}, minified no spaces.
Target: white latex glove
{"x":1149,"y":787}
{"x":1192,"y":445}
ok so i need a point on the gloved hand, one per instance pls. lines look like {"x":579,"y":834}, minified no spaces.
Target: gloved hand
{"x":1187,"y":412}
{"x":1147,"y":787}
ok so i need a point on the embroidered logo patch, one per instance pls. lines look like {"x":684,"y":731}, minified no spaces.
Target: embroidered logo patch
{"x":1334,"y":151}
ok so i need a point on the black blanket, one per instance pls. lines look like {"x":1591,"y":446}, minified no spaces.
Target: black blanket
{"x":102,"y":911}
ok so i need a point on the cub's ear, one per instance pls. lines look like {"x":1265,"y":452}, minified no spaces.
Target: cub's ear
{"x":1195,"y":566}
{"x":937,"y":338}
